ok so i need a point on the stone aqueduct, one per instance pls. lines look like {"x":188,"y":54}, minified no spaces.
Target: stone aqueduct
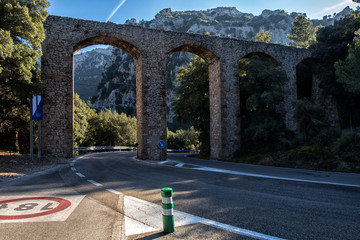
{"x":66,"y":36}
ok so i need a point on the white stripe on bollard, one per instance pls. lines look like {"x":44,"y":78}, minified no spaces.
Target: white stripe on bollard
{"x":168,"y":212}
{"x":167,"y":200}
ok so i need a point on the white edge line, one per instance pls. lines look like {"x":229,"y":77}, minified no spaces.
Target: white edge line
{"x":95,"y":183}
{"x":74,"y":169}
{"x":273,"y":177}
{"x":163,"y":162}
{"x":80,"y":175}
{"x":179,"y":165}
{"x":239,"y":231}
{"x":113,"y":191}
{"x":192,"y":219}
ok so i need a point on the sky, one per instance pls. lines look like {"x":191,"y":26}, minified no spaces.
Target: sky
{"x":119,"y":11}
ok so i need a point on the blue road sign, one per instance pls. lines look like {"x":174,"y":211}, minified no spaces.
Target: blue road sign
{"x":161,"y":144}
{"x":36,"y":108}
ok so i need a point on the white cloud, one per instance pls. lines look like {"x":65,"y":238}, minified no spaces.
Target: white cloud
{"x":115,"y":10}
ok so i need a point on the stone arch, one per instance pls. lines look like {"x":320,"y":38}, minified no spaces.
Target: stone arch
{"x":214,"y":92}
{"x":265,"y":57}
{"x":107,"y":40}
{"x":149,"y":47}
{"x":199,"y":50}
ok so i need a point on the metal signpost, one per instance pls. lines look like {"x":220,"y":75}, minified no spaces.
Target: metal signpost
{"x":161,"y":145}
{"x":36,"y":113}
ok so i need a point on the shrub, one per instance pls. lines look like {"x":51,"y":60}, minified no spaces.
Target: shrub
{"x":184,"y":139}
{"x":349,"y":141}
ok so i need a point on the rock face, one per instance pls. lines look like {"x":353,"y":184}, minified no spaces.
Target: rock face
{"x":88,"y":69}
{"x":108,"y":75}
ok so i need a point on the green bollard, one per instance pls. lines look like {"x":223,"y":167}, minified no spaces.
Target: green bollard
{"x":168,"y":210}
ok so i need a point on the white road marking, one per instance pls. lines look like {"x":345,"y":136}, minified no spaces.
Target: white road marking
{"x":74,"y":169}
{"x":80,"y":175}
{"x":163,"y":162}
{"x":208,"y":169}
{"x":72,"y":164}
{"x":113,"y":191}
{"x":133,"y":227}
{"x":142,"y":216}
{"x":95,"y":183}
{"x":35,"y":209}
{"x":150,"y":217}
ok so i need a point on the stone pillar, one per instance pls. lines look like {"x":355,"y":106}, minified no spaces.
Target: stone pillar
{"x":230,"y":102}
{"x":151,"y":104}
{"x":290,"y":95}
{"x":57,"y":92}
{"x":215,"y":110}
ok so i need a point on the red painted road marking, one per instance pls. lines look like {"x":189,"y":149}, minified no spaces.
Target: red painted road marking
{"x":63,"y":204}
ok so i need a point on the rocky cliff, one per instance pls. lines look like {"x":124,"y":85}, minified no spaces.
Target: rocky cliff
{"x":108,"y":75}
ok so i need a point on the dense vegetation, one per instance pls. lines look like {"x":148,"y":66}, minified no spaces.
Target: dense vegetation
{"x":21,"y":34}
{"x":265,"y":139}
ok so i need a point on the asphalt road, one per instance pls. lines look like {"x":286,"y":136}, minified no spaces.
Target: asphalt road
{"x":215,"y":200}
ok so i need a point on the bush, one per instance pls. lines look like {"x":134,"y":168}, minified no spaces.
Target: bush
{"x":184,"y":139}
{"x":111,"y":129}
{"x":309,"y":120}
{"x":349,"y":141}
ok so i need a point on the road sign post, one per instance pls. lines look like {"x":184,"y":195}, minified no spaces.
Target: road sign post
{"x":161,"y":146}
{"x":36,"y":113}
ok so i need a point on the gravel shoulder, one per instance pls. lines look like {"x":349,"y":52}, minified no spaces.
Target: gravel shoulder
{"x":17,"y":165}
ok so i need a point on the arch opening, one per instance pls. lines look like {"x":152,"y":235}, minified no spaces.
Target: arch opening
{"x":107,"y":118}
{"x":262,"y":105}
{"x":201,"y":93}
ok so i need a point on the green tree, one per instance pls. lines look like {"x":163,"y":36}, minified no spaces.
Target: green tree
{"x":302,"y":32}
{"x":348,"y":71}
{"x":82,"y":115}
{"x":263,"y":36}
{"x":184,"y":139}
{"x":263,"y":127}
{"x":21,"y":34}
{"x":332,"y":45}
{"x":109,"y":128}
{"x":309,"y":118}
{"x":192,"y":105}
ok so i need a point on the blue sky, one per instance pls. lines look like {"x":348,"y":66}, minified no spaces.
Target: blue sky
{"x":119,"y":11}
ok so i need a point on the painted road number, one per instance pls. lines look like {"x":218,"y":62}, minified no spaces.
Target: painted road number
{"x":37,"y":209}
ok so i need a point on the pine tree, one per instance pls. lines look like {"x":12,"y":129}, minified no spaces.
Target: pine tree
{"x":303,"y":32}
{"x":263,"y":36}
{"x":21,"y":34}
{"x":348,"y":71}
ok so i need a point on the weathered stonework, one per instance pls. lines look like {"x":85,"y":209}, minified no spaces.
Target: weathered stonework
{"x":65,"y":36}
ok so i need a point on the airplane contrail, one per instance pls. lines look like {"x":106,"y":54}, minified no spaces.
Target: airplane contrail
{"x":115,"y":10}
{"x":336,"y":6}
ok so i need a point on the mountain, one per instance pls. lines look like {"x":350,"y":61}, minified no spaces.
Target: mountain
{"x":88,"y":69}
{"x":111,"y":72}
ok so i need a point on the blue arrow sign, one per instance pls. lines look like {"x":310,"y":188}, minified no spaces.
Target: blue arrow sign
{"x":36,"y":108}
{"x":161,"y":144}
